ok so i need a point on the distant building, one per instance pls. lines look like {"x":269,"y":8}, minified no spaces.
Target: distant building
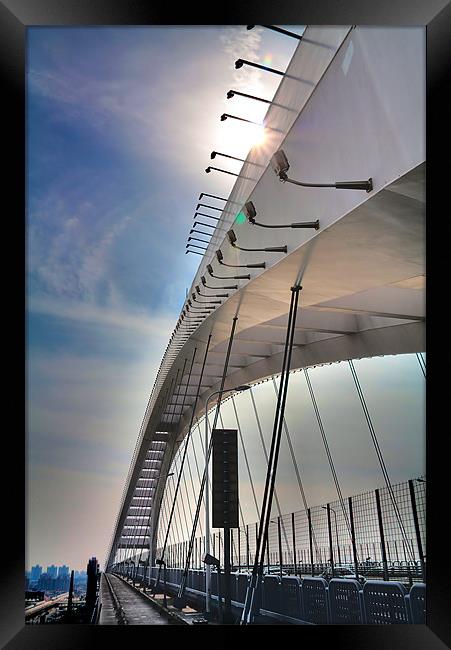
{"x":46,"y":582}
{"x":63,"y":570}
{"x":36,"y":572}
{"x":52,"y":571}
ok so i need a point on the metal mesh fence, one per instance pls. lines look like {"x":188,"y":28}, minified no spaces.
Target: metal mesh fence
{"x":297,"y":546}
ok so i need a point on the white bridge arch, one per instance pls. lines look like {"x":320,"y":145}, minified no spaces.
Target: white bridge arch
{"x":351,"y":106}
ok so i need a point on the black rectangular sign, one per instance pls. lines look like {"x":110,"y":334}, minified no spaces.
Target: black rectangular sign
{"x":225,"y":478}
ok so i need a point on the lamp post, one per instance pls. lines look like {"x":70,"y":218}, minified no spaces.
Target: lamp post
{"x":336,"y":531}
{"x":207,"y":497}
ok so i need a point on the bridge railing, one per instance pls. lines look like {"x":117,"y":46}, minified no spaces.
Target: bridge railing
{"x":310,"y":600}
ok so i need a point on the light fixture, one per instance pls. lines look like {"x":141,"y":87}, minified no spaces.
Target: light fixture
{"x":205,"y":205}
{"x":220,"y":257}
{"x":196,"y":246}
{"x":197,"y":239}
{"x":280,"y":165}
{"x":224,"y":171}
{"x":195,"y":252}
{"x":204,"y":307}
{"x":208,"y":303}
{"x":271,"y":249}
{"x":232,"y":93}
{"x":240,"y":62}
{"x":250,"y":213}
{"x":280,"y":30}
{"x":229,"y":277}
{"x":213,"y":196}
{"x":201,"y":232}
{"x":204,"y":282}
{"x":213,"y":295}
{"x":224,"y":116}
{"x":225,"y":155}
{"x":221,"y":198}
{"x":202,"y":214}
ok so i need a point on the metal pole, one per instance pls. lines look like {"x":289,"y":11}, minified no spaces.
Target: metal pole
{"x":280,"y":546}
{"x":310,"y":539}
{"x":247,"y":546}
{"x":227,"y":599}
{"x":294,"y":542}
{"x":336,"y":532}
{"x":331,"y":551}
{"x":239,"y":550}
{"x":381,"y":533}
{"x":417,"y":529}
{"x":354,"y":548}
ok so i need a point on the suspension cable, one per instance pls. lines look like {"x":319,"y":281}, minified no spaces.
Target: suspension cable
{"x":422,"y":363}
{"x":251,"y":603}
{"x":328,"y":452}
{"x":178,"y":601}
{"x":296,"y":468}
{"x":266,"y":458}
{"x":245,"y":458}
{"x":380,"y":457}
{"x":193,"y":410}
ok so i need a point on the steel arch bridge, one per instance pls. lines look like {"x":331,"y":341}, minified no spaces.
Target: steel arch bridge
{"x":351,"y":105}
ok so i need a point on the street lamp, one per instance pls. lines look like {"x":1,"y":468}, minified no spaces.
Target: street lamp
{"x":336,"y":532}
{"x":280,"y":165}
{"x":212,"y":560}
{"x":250,"y":213}
{"x":152,"y":517}
{"x":161,"y":562}
{"x":207,"y":496}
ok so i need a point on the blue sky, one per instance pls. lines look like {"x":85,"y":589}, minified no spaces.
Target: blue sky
{"x":120,"y":125}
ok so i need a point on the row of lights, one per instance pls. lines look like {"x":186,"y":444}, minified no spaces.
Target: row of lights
{"x":280,"y":165}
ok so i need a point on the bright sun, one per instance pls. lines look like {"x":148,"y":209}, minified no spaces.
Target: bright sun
{"x":241,"y":137}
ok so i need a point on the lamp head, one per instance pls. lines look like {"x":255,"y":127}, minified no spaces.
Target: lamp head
{"x":208,"y":170}
{"x":189,"y":302}
{"x":223,"y":117}
{"x":232,"y":237}
{"x":239,"y":63}
{"x":212,"y":155}
{"x":203,"y":280}
{"x":230,"y":94}
{"x":197,"y":288}
{"x":194,"y":296}
{"x":219,"y":255}
{"x":250,"y":211}
{"x":210,"y":269}
{"x":279,"y":163}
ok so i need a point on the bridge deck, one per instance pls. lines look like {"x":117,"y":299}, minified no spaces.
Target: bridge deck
{"x":137,"y":610}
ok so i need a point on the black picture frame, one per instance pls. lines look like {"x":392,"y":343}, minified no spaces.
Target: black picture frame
{"x":435,"y":15}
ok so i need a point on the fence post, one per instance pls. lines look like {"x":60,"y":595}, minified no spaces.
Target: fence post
{"x":247,"y":546}
{"x":279,"y":535}
{"x":381,"y":533}
{"x":417,"y":529}
{"x":354,"y":548}
{"x":330,"y":542}
{"x":310,"y":538}
{"x":294,"y":542}
{"x":239,"y":549}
